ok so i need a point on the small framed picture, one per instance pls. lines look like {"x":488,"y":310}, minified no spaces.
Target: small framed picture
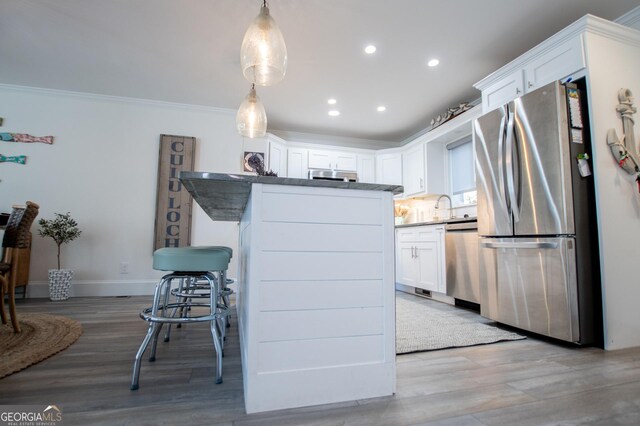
{"x":251,"y":158}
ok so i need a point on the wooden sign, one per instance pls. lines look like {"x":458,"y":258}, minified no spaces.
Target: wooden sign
{"x":174,"y":203}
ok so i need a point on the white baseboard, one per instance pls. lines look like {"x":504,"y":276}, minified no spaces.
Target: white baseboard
{"x":37,"y":289}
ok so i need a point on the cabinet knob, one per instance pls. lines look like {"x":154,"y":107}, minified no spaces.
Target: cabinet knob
{"x":517,"y":91}
{"x":529,"y":84}
{"x":421,"y":183}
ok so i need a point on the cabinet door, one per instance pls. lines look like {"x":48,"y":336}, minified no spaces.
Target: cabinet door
{"x":427,"y":265}
{"x":277,"y":158}
{"x":406,"y":270}
{"x":366,"y":168}
{"x":297,"y":166}
{"x":320,"y":159}
{"x":503,"y":91}
{"x":555,"y":64}
{"x":344,"y":161}
{"x":389,"y":169}
{"x":413,"y":171}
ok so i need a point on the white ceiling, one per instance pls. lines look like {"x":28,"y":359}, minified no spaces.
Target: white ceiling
{"x":187,"y":51}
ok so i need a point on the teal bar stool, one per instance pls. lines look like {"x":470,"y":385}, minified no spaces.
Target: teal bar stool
{"x":185,"y":263}
{"x":190,"y":289}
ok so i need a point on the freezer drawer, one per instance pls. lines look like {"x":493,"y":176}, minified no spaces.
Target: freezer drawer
{"x":531,"y":283}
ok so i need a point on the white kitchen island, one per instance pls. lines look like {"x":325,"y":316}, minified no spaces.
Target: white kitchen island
{"x":316,"y":302}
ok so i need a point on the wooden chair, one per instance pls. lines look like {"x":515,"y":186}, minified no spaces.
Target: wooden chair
{"x":14,"y":268}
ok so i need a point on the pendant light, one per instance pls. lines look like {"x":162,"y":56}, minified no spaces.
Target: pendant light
{"x":251,"y":120}
{"x":263,"y":56}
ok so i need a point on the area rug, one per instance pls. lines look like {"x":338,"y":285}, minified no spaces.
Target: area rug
{"x":42,"y":336}
{"x":425,"y":325}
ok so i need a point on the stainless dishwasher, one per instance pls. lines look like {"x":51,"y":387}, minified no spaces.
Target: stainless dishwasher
{"x":461,"y":253}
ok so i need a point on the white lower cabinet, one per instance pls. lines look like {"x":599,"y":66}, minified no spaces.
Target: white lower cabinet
{"x":420,"y":257}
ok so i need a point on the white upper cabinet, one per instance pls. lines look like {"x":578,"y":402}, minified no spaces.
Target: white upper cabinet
{"x":503,"y":91}
{"x":554,"y":64}
{"x":332,"y":160}
{"x":297,"y":163}
{"x":389,"y":169}
{"x":413,"y":171}
{"x":277,"y":157}
{"x":557,"y":58}
{"x":366,"y":168}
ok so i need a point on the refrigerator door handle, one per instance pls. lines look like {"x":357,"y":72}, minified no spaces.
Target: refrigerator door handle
{"x":503,"y":191}
{"x":521,"y":245}
{"x":511,"y":189}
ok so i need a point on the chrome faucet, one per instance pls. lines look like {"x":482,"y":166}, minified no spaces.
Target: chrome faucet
{"x":450,"y":205}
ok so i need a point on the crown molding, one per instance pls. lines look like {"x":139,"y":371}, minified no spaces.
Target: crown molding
{"x":330,"y":140}
{"x":586,"y":24}
{"x":115,"y":99}
{"x":631,"y":18}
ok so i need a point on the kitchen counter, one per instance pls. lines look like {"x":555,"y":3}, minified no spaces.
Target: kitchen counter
{"x":440,"y":222}
{"x":316,"y":288}
{"x":224,"y":196}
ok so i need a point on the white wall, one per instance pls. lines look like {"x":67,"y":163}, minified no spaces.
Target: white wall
{"x":613,"y":65}
{"x":102,"y":168}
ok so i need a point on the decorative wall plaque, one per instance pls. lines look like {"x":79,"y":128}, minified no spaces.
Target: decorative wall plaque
{"x":174,"y":203}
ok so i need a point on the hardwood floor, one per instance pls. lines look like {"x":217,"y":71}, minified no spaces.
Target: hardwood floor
{"x":526,"y":382}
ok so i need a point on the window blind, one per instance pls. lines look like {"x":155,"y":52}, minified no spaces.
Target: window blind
{"x":463,"y":177}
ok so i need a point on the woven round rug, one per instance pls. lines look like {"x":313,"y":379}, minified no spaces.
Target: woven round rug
{"x":42,"y":336}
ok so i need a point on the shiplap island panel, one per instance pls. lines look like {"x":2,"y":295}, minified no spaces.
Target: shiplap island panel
{"x":316,"y":302}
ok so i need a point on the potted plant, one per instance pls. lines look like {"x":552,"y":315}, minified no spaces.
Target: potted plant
{"x":63,"y":229}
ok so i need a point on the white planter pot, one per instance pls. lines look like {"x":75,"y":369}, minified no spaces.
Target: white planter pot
{"x":60,"y":283}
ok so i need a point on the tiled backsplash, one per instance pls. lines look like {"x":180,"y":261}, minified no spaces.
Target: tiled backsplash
{"x":423,"y":209}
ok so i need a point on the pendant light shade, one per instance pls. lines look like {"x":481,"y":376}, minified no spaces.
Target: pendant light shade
{"x":251,"y":120}
{"x":263,"y":56}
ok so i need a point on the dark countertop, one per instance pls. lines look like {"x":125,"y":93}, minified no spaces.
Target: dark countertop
{"x":224,"y":196}
{"x":440,"y":222}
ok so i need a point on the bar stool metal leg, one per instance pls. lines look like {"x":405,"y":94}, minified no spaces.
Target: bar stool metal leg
{"x":165,"y":291}
{"x":145,"y":342}
{"x":179,"y":300}
{"x":217,"y":340}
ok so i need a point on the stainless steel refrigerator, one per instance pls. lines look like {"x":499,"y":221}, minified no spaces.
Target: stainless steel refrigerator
{"x":536,"y":216}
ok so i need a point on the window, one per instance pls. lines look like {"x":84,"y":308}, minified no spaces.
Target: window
{"x":462,"y":172}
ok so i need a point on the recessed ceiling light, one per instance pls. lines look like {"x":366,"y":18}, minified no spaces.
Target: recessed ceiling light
{"x":433,"y":62}
{"x":381,"y":108}
{"x":370,"y":49}
{"x":332,"y":101}
{"x":334,"y":113}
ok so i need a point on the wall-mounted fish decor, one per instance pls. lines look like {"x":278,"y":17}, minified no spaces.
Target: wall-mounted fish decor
{"x":18,"y":159}
{"x":23,"y":137}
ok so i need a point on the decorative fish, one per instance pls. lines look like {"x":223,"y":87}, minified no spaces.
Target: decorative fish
{"x":23,"y":137}
{"x":18,"y":159}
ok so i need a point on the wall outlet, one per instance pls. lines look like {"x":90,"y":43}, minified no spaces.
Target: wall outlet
{"x":124,"y":267}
